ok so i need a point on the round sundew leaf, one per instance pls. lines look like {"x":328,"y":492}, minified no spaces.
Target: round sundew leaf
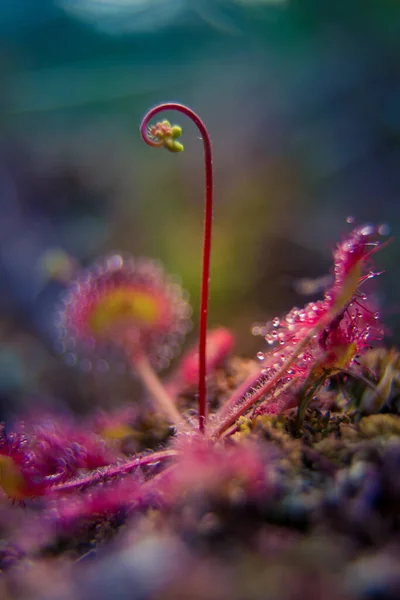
{"x":119,"y":303}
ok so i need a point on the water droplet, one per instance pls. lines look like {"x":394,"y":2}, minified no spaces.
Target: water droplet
{"x":276,"y":322}
{"x":102,"y":366}
{"x":70,"y":359}
{"x":115,"y":262}
{"x":260,"y":355}
{"x":384,"y":229}
{"x":350,"y":219}
{"x":367,"y":230}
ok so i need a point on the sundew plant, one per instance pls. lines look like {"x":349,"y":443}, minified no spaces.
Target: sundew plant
{"x":212,"y":419}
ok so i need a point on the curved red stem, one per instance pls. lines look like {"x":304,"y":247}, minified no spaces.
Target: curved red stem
{"x":205,"y":278}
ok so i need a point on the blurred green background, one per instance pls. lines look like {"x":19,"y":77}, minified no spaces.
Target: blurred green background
{"x":302,"y":100}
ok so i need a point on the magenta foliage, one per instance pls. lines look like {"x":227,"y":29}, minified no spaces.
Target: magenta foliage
{"x":350,"y":319}
{"x":327,"y":333}
{"x":220,"y":342}
{"x":48,"y":450}
{"x":209,"y":468}
{"x":79,"y":475}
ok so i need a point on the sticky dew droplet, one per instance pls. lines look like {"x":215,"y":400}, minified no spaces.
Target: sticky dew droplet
{"x":384,"y":229}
